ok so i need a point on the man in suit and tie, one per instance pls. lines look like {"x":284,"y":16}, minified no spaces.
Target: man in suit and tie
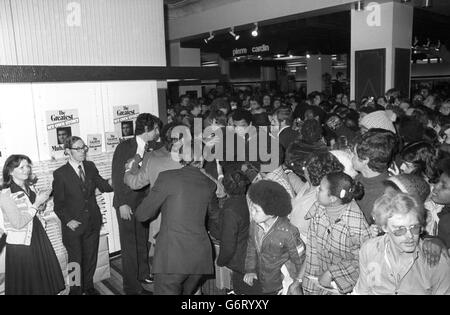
{"x":133,"y":234}
{"x":76,"y":206}
{"x":183,"y":253}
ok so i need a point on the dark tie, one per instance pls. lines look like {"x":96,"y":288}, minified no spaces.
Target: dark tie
{"x":81,"y":174}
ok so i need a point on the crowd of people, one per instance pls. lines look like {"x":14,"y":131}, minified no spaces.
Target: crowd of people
{"x":350,"y":198}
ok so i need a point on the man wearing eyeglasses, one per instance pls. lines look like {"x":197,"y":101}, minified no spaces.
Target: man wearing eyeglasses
{"x":76,"y":206}
{"x":394,"y":264}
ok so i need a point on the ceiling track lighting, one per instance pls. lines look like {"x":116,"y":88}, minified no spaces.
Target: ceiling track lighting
{"x":210,"y":38}
{"x":427,"y":4}
{"x":232,"y":33}
{"x":359,"y":6}
{"x":255,"y":31}
{"x":405,"y":1}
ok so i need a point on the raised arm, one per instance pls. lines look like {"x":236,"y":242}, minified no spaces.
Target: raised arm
{"x":137,"y":178}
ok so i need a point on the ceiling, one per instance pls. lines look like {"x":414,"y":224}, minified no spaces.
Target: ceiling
{"x":324,"y":34}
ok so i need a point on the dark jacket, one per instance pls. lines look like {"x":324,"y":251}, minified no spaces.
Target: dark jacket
{"x":75,"y":201}
{"x":281,"y":244}
{"x":124,"y":195}
{"x":288,"y":136}
{"x":183,"y":245}
{"x":444,"y":226}
{"x":235,"y":222}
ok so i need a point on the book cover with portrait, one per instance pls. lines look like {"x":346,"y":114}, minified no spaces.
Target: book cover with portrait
{"x":61,"y":124}
{"x":124,"y":120}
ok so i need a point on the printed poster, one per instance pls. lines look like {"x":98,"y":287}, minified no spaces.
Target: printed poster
{"x":94,"y":142}
{"x":124,"y":120}
{"x":61,"y":124}
{"x":111,"y":141}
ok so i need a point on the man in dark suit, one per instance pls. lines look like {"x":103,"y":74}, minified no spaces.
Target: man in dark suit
{"x":282,"y":130}
{"x":183,"y":252}
{"x":76,"y":206}
{"x":133,"y":234}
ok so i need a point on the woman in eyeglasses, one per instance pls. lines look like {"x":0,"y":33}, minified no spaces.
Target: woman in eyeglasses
{"x":76,"y":206}
{"x":394,"y":263}
{"x":31,"y":266}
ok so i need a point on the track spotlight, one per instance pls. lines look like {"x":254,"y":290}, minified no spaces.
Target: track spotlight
{"x":255,"y":32}
{"x":405,"y":1}
{"x":232,"y":33}
{"x":427,"y":4}
{"x":210,"y":38}
{"x":359,"y":5}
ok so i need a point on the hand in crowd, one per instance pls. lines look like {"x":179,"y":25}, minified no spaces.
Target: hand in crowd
{"x":110,"y":183}
{"x":433,"y":248}
{"x":129,"y":164}
{"x":295,"y":288}
{"x":393,"y":170}
{"x":375,"y":230}
{"x":220,"y":192}
{"x":42,"y":198}
{"x":249,"y":278}
{"x":125,"y":212}
{"x":73,"y":225}
{"x":325,"y":279}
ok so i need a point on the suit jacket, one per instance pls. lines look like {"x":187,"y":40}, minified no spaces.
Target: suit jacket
{"x":183,"y":245}
{"x":154,"y":163}
{"x":124,"y":195}
{"x":235,"y":222}
{"x":74,"y":200}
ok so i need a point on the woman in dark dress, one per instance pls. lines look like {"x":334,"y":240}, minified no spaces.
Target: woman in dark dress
{"x":31,"y":266}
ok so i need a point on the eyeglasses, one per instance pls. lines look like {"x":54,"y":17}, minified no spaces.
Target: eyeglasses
{"x":415,"y":230}
{"x":82,"y":149}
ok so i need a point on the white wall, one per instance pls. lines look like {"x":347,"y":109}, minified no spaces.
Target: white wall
{"x":95,"y":32}
{"x":23,"y":121}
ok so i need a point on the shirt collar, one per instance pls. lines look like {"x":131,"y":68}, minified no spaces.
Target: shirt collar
{"x":269,"y":227}
{"x":140,"y":146}
{"x":281,"y":130}
{"x":75,"y":165}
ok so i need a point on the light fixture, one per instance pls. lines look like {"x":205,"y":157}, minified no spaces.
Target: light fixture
{"x":359,"y":5}
{"x":405,"y":1}
{"x":255,"y":31}
{"x":210,"y":38}
{"x":232,"y":33}
{"x":427,"y":4}
{"x":308,"y":56}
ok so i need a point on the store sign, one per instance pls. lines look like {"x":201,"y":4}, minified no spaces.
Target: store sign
{"x":251,"y":50}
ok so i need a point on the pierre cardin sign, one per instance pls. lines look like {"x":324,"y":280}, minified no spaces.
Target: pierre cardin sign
{"x":237,"y":52}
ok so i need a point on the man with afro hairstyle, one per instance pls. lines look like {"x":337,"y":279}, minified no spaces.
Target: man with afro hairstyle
{"x":273,"y":240}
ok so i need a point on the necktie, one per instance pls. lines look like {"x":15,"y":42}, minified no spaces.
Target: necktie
{"x":81,"y":174}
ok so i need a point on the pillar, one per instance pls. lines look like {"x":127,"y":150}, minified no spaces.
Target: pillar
{"x":381,"y":37}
